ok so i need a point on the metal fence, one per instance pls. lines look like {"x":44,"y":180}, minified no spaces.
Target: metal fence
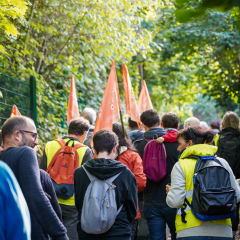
{"x":22,"y":94}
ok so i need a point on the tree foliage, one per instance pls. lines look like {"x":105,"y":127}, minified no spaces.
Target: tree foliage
{"x":179,"y":60}
{"x":10,"y":11}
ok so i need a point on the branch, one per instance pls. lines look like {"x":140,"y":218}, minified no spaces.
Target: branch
{"x":39,"y":62}
{"x":65,"y":44}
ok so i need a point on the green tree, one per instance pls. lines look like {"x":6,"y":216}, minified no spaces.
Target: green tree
{"x":10,"y":12}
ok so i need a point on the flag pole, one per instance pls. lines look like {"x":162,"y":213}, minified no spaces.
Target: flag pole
{"x":124,"y":134}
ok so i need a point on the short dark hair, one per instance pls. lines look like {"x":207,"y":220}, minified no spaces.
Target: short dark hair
{"x":78,"y":126}
{"x":104,"y":140}
{"x":170,"y":120}
{"x":132,"y":124}
{"x":150,"y":118}
{"x":215,"y":124}
{"x":197,"y":134}
{"x":12,"y":124}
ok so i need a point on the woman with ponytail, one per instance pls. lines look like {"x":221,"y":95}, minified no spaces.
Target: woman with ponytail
{"x":128,"y":155}
{"x":197,"y":142}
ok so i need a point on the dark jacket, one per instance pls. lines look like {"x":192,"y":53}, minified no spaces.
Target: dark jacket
{"x":154,"y":194}
{"x":229,"y":148}
{"x":136,"y":134}
{"x":50,"y":192}
{"x":44,"y":220}
{"x":126,"y":194}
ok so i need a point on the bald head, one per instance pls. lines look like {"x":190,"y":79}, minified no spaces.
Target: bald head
{"x":16,"y":126}
{"x":89,"y":114}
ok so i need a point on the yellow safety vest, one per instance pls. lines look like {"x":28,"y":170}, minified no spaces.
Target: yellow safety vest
{"x":216,"y":138}
{"x":188,"y":167}
{"x":50,"y":150}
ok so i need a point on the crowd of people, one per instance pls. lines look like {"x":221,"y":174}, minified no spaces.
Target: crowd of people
{"x":132,"y":184}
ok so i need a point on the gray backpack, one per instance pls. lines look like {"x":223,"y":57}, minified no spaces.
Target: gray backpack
{"x":99,"y":209}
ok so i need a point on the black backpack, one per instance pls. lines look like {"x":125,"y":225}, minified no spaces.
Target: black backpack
{"x":229,"y":149}
{"x":138,"y":139}
{"x":213,"y":196}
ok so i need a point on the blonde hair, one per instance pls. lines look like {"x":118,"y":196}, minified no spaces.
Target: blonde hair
{"x":230,"y":119}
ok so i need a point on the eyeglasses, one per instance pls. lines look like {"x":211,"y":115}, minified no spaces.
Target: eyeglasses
{"x":193,"y":135}
{"x":35,"y":135}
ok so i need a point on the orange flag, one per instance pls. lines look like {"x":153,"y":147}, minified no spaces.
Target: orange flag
{"x":73,"y":111}
{"x":131,"y":105}
{"x":144,"y":100}
{"x":109,"y":110}
{"x":15,"y":111}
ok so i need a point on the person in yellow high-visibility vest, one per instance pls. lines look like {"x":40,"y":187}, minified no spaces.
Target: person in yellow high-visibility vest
{"x":196,"y":141}
{"x":77,"y":132}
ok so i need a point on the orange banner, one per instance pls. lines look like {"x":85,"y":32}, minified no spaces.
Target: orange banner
{"x":15,"y":111}
{"x":73,"y":111}
{"x":144,"y":100}
{"x":109,"y":110}
{"x":131,"y":105}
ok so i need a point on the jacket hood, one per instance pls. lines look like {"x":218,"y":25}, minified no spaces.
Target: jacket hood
{"x":103,"y":168}
{"x":199,"y":150}
{"x":232,"y":130}
{"x":154,"y":131}
{"x":136,"y":134}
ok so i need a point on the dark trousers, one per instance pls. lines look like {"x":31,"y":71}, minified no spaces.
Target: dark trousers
{"x":157,"y":218}
{"x":70,"y":220}
{"x":142,"y":232}
{"x":235,"y":220}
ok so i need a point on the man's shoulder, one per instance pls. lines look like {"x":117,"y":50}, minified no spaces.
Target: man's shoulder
{"x":127,"y":174}
{"x":19,"y":150}
{"x":79,"y":170}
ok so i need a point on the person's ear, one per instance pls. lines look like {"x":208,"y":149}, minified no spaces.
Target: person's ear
{"x":190,"y":143}
{"x":115,"y":149}
{"x":17,"y":136}
{"x":94,"y":151}
{"x":145,"y":127}
{"x":161,"y":124}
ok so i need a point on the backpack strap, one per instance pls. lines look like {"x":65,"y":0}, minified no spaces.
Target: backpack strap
{"x":111,"y":179}
{"x":183,"y":213}
{"x":192,"y":156}
{"x":79,"y":145}
{"x":61,"y":142}
{"x":91,"y":177}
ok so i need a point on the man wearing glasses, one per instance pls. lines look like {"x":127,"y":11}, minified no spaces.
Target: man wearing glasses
{"x":19,"y":136}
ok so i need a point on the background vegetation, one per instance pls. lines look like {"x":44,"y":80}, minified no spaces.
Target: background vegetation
{"x":187,"y":51}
